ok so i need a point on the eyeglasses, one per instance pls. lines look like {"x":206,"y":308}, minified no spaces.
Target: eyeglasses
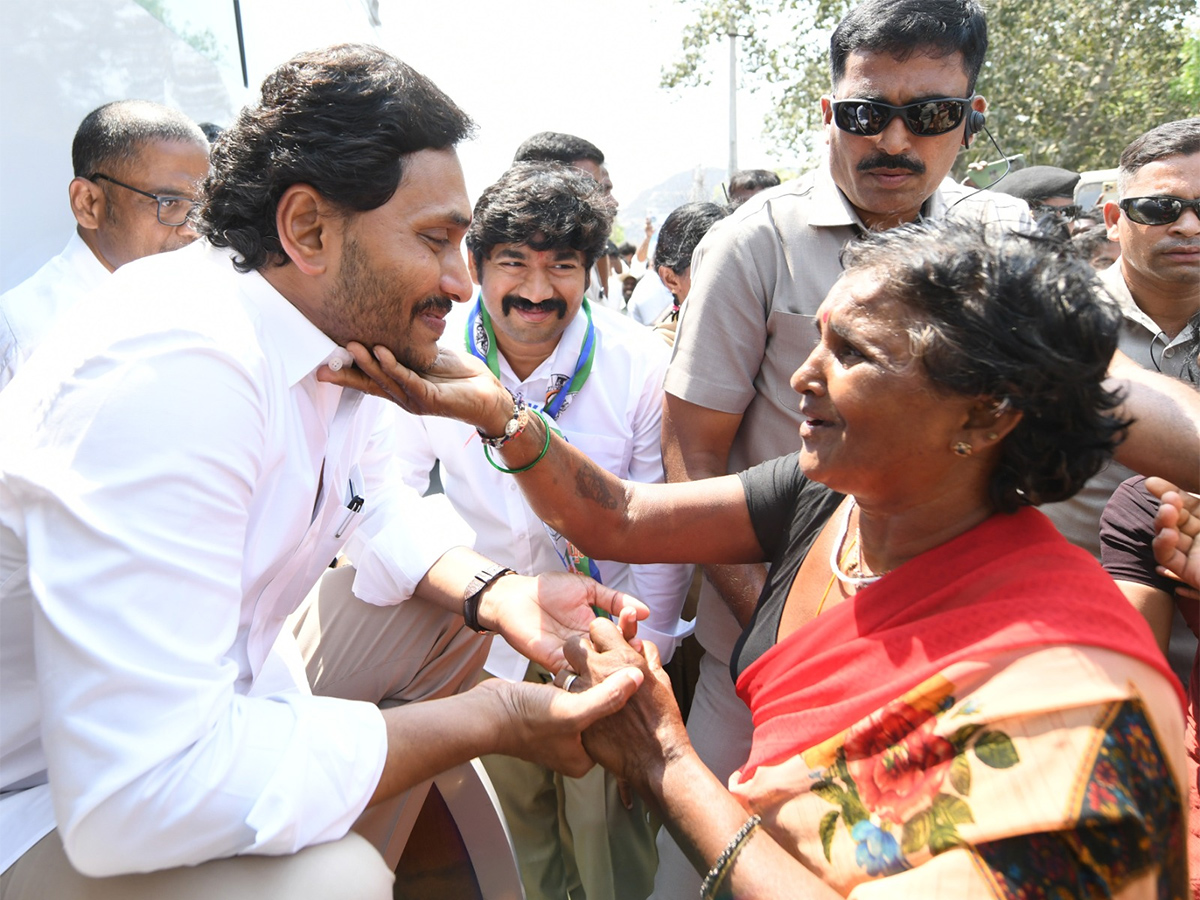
{"x":927,"y":118}
{"x":172,"y":211}
{"x":1157,"y":210}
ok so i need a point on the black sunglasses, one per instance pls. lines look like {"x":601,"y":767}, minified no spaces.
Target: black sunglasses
{"x":1157,"y":210}
{"x":926,"y":118}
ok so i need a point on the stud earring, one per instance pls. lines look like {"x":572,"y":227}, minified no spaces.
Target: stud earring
{"x":991,"y":435}
{"x":963,"y":449}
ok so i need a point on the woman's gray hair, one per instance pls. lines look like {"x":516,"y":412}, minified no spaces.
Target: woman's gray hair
{"x":1017,"y":319}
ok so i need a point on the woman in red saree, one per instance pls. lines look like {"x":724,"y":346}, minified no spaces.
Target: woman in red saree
{"x":949,"y":700}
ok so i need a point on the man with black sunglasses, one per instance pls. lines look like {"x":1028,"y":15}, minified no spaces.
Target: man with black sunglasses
{"x":901,"y":106}
{"x":138,"y":167}
{"x":1156,"y":281}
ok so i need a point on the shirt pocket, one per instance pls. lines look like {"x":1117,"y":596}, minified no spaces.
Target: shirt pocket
{"x":791,"y":337}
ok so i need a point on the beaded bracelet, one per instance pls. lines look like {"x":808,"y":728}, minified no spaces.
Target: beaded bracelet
{"x":716,"y":875}
{"x":537,"y":459}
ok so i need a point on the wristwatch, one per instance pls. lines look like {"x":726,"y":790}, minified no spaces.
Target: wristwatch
{"x":512,"y":428}
{"x":483,"y":579}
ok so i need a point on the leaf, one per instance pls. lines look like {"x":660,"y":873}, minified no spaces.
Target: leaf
{"x":916,"y":832}
{"x":943,"y":838}
{"x":951,"y":810}
{"x":996,"y":749}
{"x":960,"y":774}
{"x":829,"y":792}
{"x":826,"y":829}
{"x":853,"y":810}
{"x":963,"y":736}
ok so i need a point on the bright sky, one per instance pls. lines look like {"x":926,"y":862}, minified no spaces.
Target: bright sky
{"x":588,"y":67}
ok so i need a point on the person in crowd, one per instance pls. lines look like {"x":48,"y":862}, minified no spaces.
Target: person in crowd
{"x":173,"y":481}
{"x":138,"y":167}
{"x":1156,"y":282}
{"x":1093,"y":244}
{"x":750,"y":309}
{"x":681,"y":232}
{"x":745,"y":183}
{"x":949,"y":700}
{"x":1159,"y":575}
{"x":598,"y":378}
{"x":212,"y":131}
{"x":1050,"y":193}
{"x":570,"y":150}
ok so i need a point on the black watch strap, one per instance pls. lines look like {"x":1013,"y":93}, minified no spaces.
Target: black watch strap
{"x":483,"y":579}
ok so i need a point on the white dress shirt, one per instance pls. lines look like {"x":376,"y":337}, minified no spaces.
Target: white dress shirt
{"x":29,"y":310}
{"x":651,"y":298}
{"x":173,"y":481}
{"x":616,"y":419}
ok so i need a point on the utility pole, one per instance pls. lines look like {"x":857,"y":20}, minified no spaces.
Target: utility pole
{"x":733,"y":36}
{"x":731,"y":32}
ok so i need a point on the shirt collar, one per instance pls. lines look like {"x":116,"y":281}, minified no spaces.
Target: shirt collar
{"x":302,"y":347}
{"x":1114,"y":282}
{"x":83,"y":260}
{"x":832,"y":208}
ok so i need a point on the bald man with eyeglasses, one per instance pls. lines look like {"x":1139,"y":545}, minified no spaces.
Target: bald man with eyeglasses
{"x":138,"y":169}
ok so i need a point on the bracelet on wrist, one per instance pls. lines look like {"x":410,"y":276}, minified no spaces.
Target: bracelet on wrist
{"x":537,"y":459}
{"x":720,"y":870}
{"x":512,"y":428}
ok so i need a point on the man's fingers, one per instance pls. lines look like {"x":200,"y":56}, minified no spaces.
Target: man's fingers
{"x":614,"y":601}
{"x":607,"y":697}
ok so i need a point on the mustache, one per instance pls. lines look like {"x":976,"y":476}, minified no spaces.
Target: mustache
{"x":512,"y":301}
{"x":889,"y":161}
{"x":436,"y":302}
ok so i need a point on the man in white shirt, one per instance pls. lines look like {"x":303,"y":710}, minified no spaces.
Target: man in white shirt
{"x":176,"y":476}
{"x":532,"y":241}
{"x":571,"y":150}
{"x":138,"y":168}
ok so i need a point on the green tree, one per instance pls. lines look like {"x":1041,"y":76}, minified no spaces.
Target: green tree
{"x":1070,"y":82}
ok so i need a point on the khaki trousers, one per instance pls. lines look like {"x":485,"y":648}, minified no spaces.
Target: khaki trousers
{"x":353,"y":650}
{"x":573,"y":837}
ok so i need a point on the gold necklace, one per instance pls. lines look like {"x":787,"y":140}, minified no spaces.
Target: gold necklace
{"x":833,"y":577}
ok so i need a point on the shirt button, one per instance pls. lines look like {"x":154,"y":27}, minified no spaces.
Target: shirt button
{"x":1169,"y":352}
{"x":335,"y":364}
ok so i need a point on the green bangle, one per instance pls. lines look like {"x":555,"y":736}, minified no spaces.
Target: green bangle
{"x":537,"y":459}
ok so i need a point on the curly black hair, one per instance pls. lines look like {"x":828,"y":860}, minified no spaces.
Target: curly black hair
{"x":1020,"y":319}
{"x":341,"y":119}
{"x":544,"y":205}
{"x":681,"y":232}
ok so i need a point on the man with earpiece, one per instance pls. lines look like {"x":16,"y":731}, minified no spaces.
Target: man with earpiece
{"x":902,"y":104}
